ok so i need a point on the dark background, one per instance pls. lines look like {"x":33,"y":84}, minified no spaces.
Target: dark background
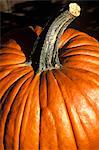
{"x":28,"y":13}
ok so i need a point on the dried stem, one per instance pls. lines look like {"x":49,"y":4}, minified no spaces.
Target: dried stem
{"x":49,"y":54}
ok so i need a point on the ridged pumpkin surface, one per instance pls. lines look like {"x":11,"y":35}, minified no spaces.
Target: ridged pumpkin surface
{"x":56,"y":109}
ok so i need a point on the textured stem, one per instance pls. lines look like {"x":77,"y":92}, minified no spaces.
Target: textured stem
{"x":49,"y":54}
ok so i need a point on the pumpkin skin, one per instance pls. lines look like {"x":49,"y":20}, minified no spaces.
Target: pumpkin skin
{"x":55,"y":109}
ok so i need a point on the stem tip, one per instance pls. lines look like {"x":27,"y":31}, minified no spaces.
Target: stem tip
{"x":74,"y":9}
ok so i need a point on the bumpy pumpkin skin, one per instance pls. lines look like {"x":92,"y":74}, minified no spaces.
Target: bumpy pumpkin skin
{"x":56,"y":109}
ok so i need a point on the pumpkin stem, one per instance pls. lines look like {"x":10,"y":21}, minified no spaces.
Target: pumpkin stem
{"x":49,"y":54}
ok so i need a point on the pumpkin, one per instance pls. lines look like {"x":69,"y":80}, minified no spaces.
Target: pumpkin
{"x":57,"y":107}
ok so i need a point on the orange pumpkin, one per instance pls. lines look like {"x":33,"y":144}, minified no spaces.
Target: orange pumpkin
{"x":58,"y":108}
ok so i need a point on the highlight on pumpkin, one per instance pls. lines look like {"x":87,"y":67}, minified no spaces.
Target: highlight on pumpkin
{"x":37,"y":29}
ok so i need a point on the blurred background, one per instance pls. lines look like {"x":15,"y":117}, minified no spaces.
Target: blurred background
{"x":15,"y":14}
